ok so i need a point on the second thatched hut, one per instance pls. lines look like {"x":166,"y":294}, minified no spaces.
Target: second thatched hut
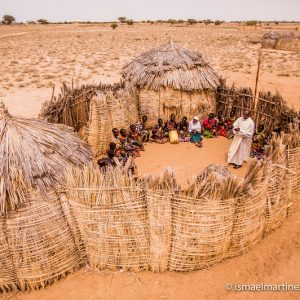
{"x":172,"y":79}
{"x":288,"y":41}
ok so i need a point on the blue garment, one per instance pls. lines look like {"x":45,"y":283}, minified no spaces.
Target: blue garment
{"x":196,"y":138}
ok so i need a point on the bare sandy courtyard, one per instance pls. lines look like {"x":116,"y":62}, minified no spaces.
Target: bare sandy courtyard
{"x":185,"y":159}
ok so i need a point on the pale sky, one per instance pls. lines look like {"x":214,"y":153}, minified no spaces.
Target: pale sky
{"x":103,"y":10}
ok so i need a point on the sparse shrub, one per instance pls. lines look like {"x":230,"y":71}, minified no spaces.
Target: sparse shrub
{"x":207,"y":21}
{"x":114,"y":25}
{"x":251,"y":23}
{"x":284,"y":74}
{"x":129,"y":22}
{"x":180,"y":21}
{"x":8,"y":19}
{"x":217,"y":22}
{"x":276,"y":22}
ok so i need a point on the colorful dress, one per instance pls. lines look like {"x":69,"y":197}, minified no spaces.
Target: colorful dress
{"x":208,"y":125}
{"x":195,"y":131}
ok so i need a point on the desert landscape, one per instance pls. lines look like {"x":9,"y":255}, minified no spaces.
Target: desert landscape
{"x":34,"y":58}
{"x":37,"y":59}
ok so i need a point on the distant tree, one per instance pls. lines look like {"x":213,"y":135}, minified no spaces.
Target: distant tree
{"x":207,"y":21}
{"x":276,"y":22}
{"x":251,"y":23}
{"x":130,"y":22}
{"x":7,"y":19}
{"x":172,"y":21}
{"x":122,"y":19}
{"x":160,"y":21}
{"x":200,"y":21}
{"x":217,"y":22}
{"x":191,"y":21}
{"x":114,"y":25}
{"x":42,"y":21}
{"x":180,"y":21}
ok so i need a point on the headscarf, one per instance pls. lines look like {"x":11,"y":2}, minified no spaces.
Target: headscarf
{"x":195,"y":126}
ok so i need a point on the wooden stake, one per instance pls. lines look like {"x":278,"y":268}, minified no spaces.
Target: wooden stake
{"x":256,"y":79}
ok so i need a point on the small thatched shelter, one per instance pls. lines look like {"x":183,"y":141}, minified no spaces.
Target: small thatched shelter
{"x":93,"y":110}
{"x":37,"y":243}
{"x":281,"y":41}
{"x":172,"y":79}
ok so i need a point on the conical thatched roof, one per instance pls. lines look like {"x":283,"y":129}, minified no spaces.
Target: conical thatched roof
{"x":173,"y":66}
{"x":274,"y":35}
{"x":34,"y":155}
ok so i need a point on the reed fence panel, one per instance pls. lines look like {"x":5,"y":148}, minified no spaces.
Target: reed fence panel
{"x":114,"y":228}
{"x":201,"y":232}
{"x":42,"y":246}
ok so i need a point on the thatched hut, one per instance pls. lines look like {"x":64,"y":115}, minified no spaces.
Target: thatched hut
{"x":281,"y":41}
{"x":93,"y":110}
{"x":37,"y":244}
{"x":172,"y":79}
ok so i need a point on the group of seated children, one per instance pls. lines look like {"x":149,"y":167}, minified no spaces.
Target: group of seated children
{"x":214,"y":126}
{"x":193,"y":131}
{"x":127,"y":144}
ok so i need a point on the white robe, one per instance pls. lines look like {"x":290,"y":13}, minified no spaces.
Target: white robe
{"x":240,"y":148}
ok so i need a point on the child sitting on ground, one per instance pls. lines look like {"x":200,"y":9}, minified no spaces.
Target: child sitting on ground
{"x":183,"y":130}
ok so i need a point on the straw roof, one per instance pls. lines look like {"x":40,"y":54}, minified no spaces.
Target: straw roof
{"x":274,"y":35}
{"x":34,"y":155}
{"x":171,"y":65}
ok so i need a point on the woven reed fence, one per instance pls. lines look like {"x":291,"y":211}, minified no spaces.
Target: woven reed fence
{"x":93,"y":110}
{"x":73,"y":104}
{"x":271,"y":109}
{"x":38,"y":246}
{"x":119,"y":222}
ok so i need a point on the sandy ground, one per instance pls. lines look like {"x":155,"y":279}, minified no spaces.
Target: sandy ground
{"x":35,"y":58}
{"x":185,"y":159}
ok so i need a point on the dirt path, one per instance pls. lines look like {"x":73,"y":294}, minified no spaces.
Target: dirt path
{"x":14,"y":34}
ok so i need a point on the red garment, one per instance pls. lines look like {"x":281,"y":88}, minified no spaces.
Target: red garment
{"x":208,"y":123}
{"x":222,"y":131}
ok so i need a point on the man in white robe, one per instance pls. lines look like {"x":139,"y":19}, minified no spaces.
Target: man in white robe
{"x":240,"y":148}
